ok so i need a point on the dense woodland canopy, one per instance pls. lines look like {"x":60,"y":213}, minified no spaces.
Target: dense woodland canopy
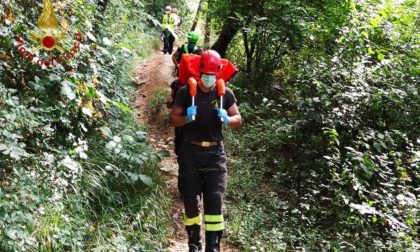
{"x":327,"y":158}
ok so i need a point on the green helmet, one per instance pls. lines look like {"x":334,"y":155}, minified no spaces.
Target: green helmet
{"x":192,"y":37}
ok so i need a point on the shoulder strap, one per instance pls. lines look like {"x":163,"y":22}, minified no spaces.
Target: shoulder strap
{"x":185,"y":48}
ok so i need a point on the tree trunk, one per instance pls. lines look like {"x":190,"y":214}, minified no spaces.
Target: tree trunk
{"x":102,"y":4}
{"x":197,"y":15}
{"x":247,"y":52}
{"x":229,"y":30}
{"x":207,"y":31}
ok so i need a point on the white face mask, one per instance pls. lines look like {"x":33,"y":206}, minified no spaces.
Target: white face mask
{"x":208,"y":80}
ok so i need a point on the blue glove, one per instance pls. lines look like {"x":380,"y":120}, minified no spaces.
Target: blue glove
{"x":191,"y":111}
{"x":221,"y":113}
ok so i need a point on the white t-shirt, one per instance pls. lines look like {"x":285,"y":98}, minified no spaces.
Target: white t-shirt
{"x":177,"y":20}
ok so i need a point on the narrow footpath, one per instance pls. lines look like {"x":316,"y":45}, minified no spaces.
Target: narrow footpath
{"x":152,"y":76}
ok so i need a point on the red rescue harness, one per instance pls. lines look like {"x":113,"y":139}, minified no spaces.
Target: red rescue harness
{"x":189,"y":66}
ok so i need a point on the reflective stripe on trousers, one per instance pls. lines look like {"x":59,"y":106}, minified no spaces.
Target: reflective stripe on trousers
{"x":202,"y":173}
{"x":214,"y":222}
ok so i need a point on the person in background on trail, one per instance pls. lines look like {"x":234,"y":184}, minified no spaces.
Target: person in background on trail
{"x":177,"y":23}
{"x":202,"y":158}
{"x":167,"y":28}
{"x":187,"y":48}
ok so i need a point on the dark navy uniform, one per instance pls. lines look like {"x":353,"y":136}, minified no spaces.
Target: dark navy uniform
{"x":202,"y":159}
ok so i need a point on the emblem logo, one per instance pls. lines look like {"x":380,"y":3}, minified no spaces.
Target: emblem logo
{"x":48,"y":37}
{"x":216,"y":104}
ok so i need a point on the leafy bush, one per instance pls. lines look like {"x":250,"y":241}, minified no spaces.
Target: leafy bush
{"x":76,"y":172}
{"x":333,"y":145}
{"x":157,"y":102}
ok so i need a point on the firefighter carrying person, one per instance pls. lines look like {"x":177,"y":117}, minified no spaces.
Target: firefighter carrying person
{"x":168,"y":27}
{"x":188,"y":48}
{"x":202,"y":158}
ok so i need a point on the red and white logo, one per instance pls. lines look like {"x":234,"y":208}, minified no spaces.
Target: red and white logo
{"x":48,"y":37}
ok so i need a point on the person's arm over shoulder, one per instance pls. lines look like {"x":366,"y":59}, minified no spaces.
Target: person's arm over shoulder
{"x":175,"y":57}
{"x":235,"y":118}
{"x":177,"y":116}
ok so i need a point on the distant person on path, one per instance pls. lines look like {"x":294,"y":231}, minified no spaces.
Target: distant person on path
{"x":177,"y":26}
{"x":167,"y":28}
{"x":202,"y":158}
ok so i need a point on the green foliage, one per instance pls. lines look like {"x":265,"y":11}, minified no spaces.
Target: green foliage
{"x":76,"y":172}
{"x":328,"y":158}
{"x":157,"y":102}
{"x":334,"y":142}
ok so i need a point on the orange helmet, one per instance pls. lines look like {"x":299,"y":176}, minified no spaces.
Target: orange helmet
{"x":210,"y":62}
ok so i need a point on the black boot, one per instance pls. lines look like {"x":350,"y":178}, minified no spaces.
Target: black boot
{"x":194,"y":238}
{"x":213,"y":241}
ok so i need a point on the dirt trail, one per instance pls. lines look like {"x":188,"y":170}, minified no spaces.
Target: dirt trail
{"x":155,"y":74}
